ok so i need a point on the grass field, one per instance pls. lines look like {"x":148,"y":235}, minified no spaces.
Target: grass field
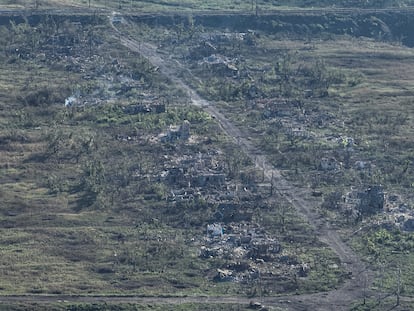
{"x":361,"y":88}
{"x":197,"y":5}
{"x":86,"y":208}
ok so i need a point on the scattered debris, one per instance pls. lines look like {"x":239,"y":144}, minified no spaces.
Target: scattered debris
{"x":177,"y":133}
{"x":371,"y":200}
{"x":368,"y":201}
{"x":220,"y":64}
{"x":224,"y":275}
{"x":245,"y":245}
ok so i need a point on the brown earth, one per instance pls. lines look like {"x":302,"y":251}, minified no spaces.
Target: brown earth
{"x":340,"y":299}
{"x":361,"y":277}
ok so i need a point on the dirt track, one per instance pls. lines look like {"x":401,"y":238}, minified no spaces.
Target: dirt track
{"x":353,"y":289}
{"x":339,"y":299}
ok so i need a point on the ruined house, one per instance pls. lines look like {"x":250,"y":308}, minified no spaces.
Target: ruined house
{"x":220,"y":64}
{"x":224,"y":275}
{"x":308,"y":93}
{"x":371,"y":200}
{"x":180,"y":133}
{"x":368,"y":201}
{"x":365,"y":202}
{"x":116,"y":18}
{"x":298,"y":132}
{"x":263,"y":248}
{"x":222,"y":37}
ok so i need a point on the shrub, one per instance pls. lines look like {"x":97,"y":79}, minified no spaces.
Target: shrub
{"x":45,"y":96}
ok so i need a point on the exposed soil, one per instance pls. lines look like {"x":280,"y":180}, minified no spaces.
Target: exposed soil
{"x":361,"y":277}
{"x":384,"y":24}
{"x":387,"y":24}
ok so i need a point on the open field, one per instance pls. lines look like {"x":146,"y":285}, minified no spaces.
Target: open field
{"x":253,"y":6}
{"x":351,"y":96}
{"x":113,"y":184}
{"x":86,"y":208}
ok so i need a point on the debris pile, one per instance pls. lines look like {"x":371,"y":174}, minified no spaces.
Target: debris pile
{"x":244,"y":245}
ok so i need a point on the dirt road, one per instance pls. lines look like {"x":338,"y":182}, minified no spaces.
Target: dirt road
{"x":339,"y":299}
{"x":354,"y":288}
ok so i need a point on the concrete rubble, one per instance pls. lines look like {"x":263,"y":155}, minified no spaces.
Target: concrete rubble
{"x":244,"y":245}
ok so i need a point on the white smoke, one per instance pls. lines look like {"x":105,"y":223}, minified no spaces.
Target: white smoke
{"x":70,"y":101}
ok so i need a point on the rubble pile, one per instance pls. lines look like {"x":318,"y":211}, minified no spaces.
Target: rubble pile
{"x":244,"y":245}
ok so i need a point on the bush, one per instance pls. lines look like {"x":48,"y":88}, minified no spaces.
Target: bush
{"x":45,"y":96}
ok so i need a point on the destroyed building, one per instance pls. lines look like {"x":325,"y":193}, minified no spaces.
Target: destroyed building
{"x":368,"y":201}
{"x":371,"y":200}
{"x":176,"y":176}
{"x":298,"y":132}
{"x":220,"y":64}
{"x":254,"y":242}
{"x":175,"y":134}
{"x":243,"y":245}
{"x":224,"y":37}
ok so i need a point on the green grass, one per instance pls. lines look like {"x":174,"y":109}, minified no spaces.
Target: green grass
{"x":125,"y":307}
{"x":365,"y":99}
{"x":379,"y":305}
{"x":197,"y":5}
{"x":368,"y":97}
{"x":83,"y":211}
{"x":388,"y":251}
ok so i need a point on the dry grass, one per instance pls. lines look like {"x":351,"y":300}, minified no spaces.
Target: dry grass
{"x":126,"y":241}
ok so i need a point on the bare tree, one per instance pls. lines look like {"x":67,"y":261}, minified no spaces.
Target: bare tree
{"x":398,"y":285}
